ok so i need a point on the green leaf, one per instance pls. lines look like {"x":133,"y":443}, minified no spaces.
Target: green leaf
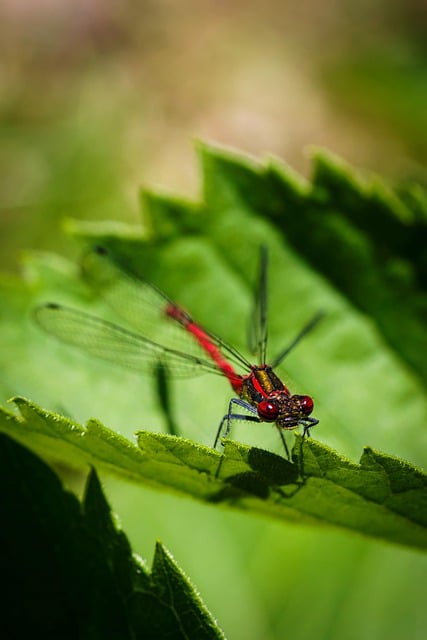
{"x":351,"y":247}
{"x":70,"y":571}
{"x":360,"y":233}
{"x":382,"y":496}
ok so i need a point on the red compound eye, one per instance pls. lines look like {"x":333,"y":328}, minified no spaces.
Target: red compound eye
{"x":268,"y":411}
{"x":307,"y":405}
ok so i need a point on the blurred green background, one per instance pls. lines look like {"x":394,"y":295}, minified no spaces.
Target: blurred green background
{"x":97,"y":98}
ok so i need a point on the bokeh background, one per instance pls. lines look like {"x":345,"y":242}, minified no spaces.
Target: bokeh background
{"x":98,"y":97}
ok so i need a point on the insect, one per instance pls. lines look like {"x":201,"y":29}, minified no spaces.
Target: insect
{"x":261,"y":396}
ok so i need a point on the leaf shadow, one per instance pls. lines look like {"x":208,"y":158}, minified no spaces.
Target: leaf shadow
{"x":269,"y":474}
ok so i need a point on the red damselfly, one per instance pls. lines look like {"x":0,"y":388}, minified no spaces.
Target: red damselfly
{"x":260,"y":392}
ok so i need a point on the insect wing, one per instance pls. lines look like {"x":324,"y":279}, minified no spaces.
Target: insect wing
{"x":116,"y":344}
{"x":258,"y":329}
{"x":133,"y":299}
{"x":143,"y":307}
{"x":304,"y":331}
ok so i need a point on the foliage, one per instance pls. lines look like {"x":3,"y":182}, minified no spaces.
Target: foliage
{"x":77,"y":575}
{"x":353,"y":247}
{"x":382,"y":496}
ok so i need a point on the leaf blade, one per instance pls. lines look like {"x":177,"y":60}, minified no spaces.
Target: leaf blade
{"x":380,"y":497}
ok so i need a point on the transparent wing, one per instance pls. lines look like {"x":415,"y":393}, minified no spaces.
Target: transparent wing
{"x":304,"y":331}
{"x":143,"y":306}
{"x":133,"y":299}
{"x":258,"y":329}
{"x":115,"y":344}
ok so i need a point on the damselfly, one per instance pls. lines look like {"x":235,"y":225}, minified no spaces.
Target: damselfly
{"x":261,"y":396}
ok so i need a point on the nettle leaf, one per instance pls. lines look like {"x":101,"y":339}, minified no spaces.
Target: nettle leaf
{"x":367,"y":238}
{"x":349,"y":246}
{"x":77,"y":575}
{"x":382,"y":496}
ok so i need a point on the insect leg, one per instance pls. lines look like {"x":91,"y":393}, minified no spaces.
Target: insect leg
{"x":308,"y":423}
{"x":235,"y":416}
{"x":283,"y":439}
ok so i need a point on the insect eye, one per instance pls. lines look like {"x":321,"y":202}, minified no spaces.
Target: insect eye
{"x":268,"y":411}
{"x":307,"y":405}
